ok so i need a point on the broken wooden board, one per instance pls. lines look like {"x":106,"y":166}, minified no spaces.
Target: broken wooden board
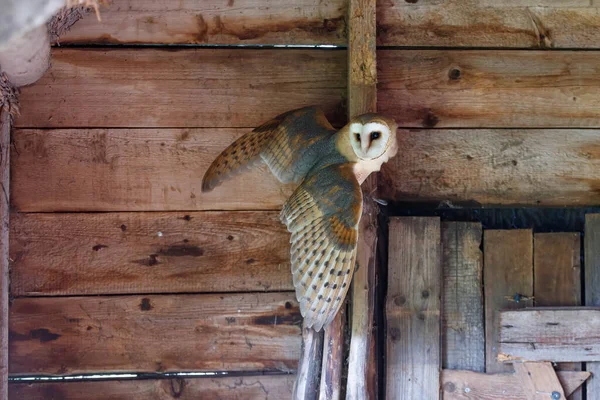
{"x":117,"y":170}
{"x":592,"y":288}
{"x":468,"y":385}
{"x":568,"y":334}
{"x":170,"y":88}
{"x":489,"y":88}
{"x":475,"y":23}
{"x":270,"y":387}
{"x":413,"y":309}
{"x":539,"y":380}
{"x":154,"y":333}
{"x":128,"y":253}
{"x":545,"y":167}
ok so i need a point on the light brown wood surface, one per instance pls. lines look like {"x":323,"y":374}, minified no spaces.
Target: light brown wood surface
{"x":463,"y":333}
{"x":121,"y":253}
{"x":538,"y":380}
{"x":133,"y":170}
{"x":508,"y":271}
{"x":171,"y":88}
{"x":468,"y":385}
{"x":213,"y":22}
{"x":488,"y":23}
{"x":154,"y":333}
{"x":592,"y":287}
{"x":413,"y":309}
{"x":5,"y":129}
{"x":489,"y":88}
{"x":332,"y":369}
{"x":276,"y":387}
{"x":306,"y":386}
{"x":557,"y":277}
{"x":568,"y":334}
{"x":546,"y":167}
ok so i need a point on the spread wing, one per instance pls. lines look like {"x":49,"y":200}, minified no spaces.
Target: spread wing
{"x":289,"y":144}
{"x":323,"y":215}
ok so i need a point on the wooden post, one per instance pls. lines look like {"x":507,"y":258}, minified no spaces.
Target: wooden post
{"x":333,"y":358}
{"x":306,"y":386}
{"x":592,"y":289}
{"x":362,"y":98}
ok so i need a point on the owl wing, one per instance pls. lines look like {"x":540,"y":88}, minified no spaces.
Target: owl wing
{"x":288,"y":144}
{"x":323,"y":215}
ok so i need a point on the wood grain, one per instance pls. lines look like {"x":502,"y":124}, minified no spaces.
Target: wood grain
{"x":538,"y":380}
{"x":306,"y":386}
{"x":127,"y":253}
{"x":413,"y":309}
{"x":592,"y":288}
{"x":476,"y":23}
{"x":213,"y":22}
{"x":332,"y":369}
{"x":557,"y":277}
{"x":463,"y":333}
{"x":154,"y":333}
{"x":172,"y":88}
{"x":567,"y":334}
{"x":133,"y":170}
{"x":5,"y":129}
{"x":275,"y":387}
{"x":508,"y":271}
{"x":495,"y":166}
{"x":468,"y":385}
{"x":486,"y":88}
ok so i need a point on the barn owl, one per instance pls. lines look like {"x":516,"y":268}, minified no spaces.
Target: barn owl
{"x":323,"y":213}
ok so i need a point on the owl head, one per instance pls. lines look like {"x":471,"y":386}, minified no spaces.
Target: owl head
{"x":373,"y":136}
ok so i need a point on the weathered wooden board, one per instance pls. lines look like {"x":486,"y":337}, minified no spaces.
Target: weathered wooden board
{"x":463,"y":333}
{"x":538,"y":380}
{"x":154,"y":333}
{"x":479,"y":88}
{"x":268,"y":387}
{"x":133,"y":170}
{"x":550,"y":334}
{"x":495,"y":166}
{"x":306,"y":386}
{"x":557,"y":277}
{"x":5,"y":129}
{"x":214,"y":22}
{"x":592,"y":288}
{"x":127,"y":253}
{"x":489,"y":23}
{"x":468,"y":385}
{"x":413,"y":309}
{"x":170,"y":88}
{"x":508,"y":271}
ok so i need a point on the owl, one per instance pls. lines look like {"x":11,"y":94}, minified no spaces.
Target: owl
{"x":323,"y":213}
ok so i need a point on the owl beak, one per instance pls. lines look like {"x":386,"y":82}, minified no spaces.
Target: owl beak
{"x":364,"y":143}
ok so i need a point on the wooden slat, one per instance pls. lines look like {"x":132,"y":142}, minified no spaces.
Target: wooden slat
{"x":275,"y":387}
{"x":489,"y":23}
{"x":214,"y":22}
{"x":154,"y":333}
{"x":483,"y":88}
{"x":557,"y":277}
{"x":592,"y":288}
{"x":413,"y":309}
{"x":5,"y":129}
{"x":182,"y":88}
{"x":496,"y":166}
{"x":119,"y":253}
{"x":539,"y":380}
{"x":468,"y":385}
{"x":463,"y":334}
{"x":547,"y":334}
{"x":133,"y":170}
{"x":508,"y":271}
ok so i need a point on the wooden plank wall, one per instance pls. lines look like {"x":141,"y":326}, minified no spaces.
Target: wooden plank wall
{"x":120,"y":263}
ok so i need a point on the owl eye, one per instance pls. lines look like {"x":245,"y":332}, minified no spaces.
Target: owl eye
{"x":375,"y":135}
{"x":358,"y":137}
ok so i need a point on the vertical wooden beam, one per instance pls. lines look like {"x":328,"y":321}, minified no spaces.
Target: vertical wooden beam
{"x":413,"y":309}
{"x":508,"y":283}
{"x":333,"y":358}
{"x":463,"y":333}
{"x":557,"y":278}
{"x":306,"y":386}
{"x":362,"y":98}
{"x":592,"y":289}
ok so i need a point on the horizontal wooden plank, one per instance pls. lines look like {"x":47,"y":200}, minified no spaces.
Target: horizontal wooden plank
{"x":550,"y":334}
{"x":132,"y":170}
{"x":489,"y":23}
{"x":128,"y":253}
{"x":214,"y":22}
{"x":268,"y":387}
{"x":182,"y":87}
{"x":154,"y":333}
{"x":495,"y":166}
{"x":478,"y":88}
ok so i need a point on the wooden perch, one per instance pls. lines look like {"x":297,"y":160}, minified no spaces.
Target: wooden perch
{"x":306,"y":386}
{"x":333,"y":358}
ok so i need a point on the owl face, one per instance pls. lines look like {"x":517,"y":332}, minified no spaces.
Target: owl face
{"x":373,"y":136}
